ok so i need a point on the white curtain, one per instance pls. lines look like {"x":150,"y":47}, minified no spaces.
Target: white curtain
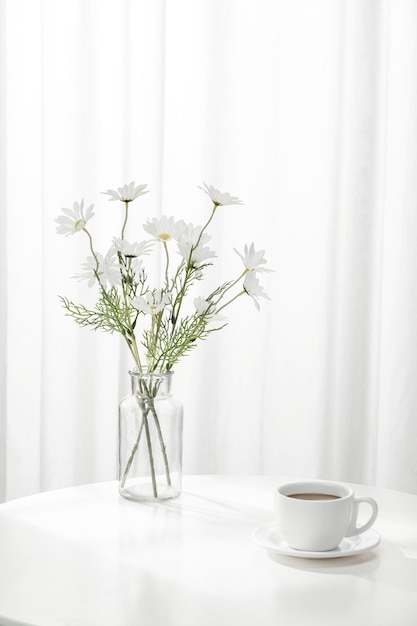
{"x":305,"y":109}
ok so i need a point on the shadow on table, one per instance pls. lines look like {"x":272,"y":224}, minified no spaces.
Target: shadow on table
{"x":327,"y":566}
{"x":209,"y":507}
{"x":395,"y":567}
{"x":5,"y":621}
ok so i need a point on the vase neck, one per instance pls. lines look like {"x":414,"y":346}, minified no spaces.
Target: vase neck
{"x":151,"y":383}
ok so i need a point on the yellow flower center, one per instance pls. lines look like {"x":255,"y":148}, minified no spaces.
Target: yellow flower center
{"x":164,"y":236}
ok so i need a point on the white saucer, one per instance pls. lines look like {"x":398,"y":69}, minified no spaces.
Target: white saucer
{"x":269,"y":536}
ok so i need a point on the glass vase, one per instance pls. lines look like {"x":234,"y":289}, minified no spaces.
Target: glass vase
{"x":150,"y":439}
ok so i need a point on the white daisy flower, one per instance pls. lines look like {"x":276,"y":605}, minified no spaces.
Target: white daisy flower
{"x":152,"y":302}
{"x":108,"y":269}
{"x":252,"y":259}
{"x":131,"y":250}
{"x":187,"y":237}
{"x":138,"y":268}
{"x":196,"y":256}
{"x":127,"y":193}
{"x":218,"y":198}
{"x":188,"y":232}
{"x":202,"y":307}
{"x":74,"y":220}
{"x":163,"y":229}
{"x":253,"y":288}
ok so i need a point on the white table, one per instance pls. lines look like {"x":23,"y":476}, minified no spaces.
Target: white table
{"x":85,"y":557}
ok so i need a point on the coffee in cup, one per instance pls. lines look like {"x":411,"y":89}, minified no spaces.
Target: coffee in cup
{"x":316,"y":515}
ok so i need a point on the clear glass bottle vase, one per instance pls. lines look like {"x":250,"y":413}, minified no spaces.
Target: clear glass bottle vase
{"x":150,"y":439}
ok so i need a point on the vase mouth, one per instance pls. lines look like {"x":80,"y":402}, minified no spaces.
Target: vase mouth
{"x":135,"y":373}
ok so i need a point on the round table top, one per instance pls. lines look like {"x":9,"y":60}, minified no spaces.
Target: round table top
{"x":83,"y":556}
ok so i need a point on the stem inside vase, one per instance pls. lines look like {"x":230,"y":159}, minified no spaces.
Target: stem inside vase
{"x":150,"y":440}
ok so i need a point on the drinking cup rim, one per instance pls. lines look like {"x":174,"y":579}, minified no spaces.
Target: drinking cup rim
{"x":342,"y":490}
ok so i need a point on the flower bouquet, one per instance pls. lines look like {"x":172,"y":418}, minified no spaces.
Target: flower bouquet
{"x":156,"y":324}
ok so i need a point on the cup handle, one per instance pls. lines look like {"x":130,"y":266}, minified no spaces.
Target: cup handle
{"x":353,"y":528}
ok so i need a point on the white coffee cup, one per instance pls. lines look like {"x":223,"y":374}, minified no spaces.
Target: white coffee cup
{"x":315,"y":515}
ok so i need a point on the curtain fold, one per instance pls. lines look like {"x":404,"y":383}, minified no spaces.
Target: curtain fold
{"x":305,"y":110}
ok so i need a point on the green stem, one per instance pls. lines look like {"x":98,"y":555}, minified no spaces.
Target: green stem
{"x":162,"y":444}
{"x":178,"y":300}
{"x":151,"y":459}
{"x":241,"y":293}
{"x":132,"y":345}
{"x":130,"y":339}
{"x":133,"y":453}
{"x":166,"y":266}
{"x":93,"y":252}
{"x":125,"y":222}
{"x":205,"y":226}
{"x":145,"y":424}
{"x":232,"y":284}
